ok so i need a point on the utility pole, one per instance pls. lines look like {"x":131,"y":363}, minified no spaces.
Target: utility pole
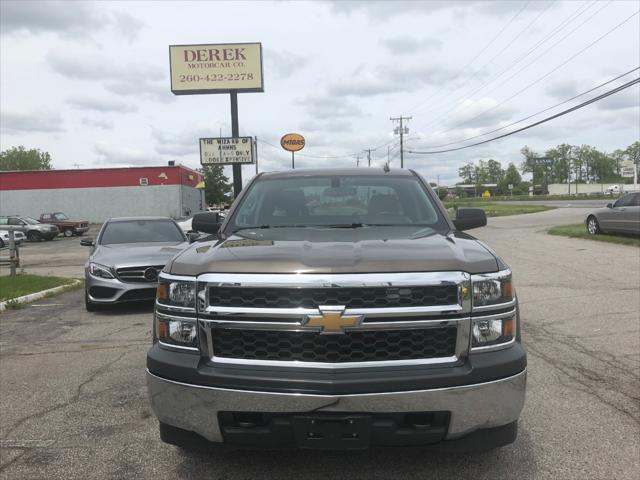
{"x":357,"y":160}
{"x":401,"y":130}
{"x":368,"y":150}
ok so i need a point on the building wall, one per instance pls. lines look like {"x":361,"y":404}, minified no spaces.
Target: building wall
{"x":583,"y":188}
{"x":99,"y":204}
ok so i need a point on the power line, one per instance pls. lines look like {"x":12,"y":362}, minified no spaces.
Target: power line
{"x":537,"y":113}
{"x":477,"y":55}
{"x":564,"y":112}
{"x":545,"y":75}
{"x":574,"y":16}
{"x":469,"y":79}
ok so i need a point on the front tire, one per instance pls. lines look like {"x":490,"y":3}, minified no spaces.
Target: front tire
{"x":88,"y":304}
{"x":68,"y":232}
{"x":34,"y":236}
{"x":593,"y":227}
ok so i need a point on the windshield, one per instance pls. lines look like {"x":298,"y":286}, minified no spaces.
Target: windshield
{"x":337,"y":201}
{"x":141,"y":231}
{"x":30,"y":221}
{"x":60,"y":216}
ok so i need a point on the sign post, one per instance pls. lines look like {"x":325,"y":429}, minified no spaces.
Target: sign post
{"x":218,"y":68}
{"x":292,"y":142}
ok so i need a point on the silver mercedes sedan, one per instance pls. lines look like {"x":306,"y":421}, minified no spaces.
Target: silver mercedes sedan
{"x":623,"y":216}
{"x":126,"y":258}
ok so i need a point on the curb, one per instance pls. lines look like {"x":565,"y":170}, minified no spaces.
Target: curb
{"x":38,"y":295}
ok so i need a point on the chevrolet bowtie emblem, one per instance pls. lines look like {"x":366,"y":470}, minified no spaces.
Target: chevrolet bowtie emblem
{"x":332,"y":321}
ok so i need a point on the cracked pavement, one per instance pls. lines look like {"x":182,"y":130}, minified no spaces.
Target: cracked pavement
{"x":73,"y":395}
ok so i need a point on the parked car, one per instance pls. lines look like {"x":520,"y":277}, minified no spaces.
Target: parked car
{"x":32,"y":228}
{"x":622,"y":216}
{"x":18,"y":238}
{"x":127,"y":257}
{"x":337,"y":309}
{"x":612,"y":190}
{"x":67,"y":226}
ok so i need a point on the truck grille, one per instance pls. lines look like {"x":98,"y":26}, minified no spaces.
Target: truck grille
{"x":137,"y":274}
{"x":353,"y":346}
{"x":349,"y":297}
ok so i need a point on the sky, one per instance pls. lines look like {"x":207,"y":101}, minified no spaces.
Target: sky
{"x":88,"y":82}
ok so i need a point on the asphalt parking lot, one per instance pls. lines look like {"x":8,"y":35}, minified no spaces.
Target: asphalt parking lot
{"x":73,"y":402}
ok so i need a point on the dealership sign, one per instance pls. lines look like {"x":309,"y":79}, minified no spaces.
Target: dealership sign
{"x":628,"y":170}
{"x":217,"y":68}
{"x":226,"y":151}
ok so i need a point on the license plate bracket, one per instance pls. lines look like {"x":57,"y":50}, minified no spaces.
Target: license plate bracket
{"x":332,"y":432}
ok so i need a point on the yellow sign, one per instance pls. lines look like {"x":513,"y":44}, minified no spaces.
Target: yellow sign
{"x":486,"y":194}
{"x":217,"y":68}
{"x":333,"y":321}
{"x":292,"y":142}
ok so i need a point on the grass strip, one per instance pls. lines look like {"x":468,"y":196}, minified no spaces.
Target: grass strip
{"x":24,"y":284}
{"x":499,"y":209}
{"x":579,"y":230}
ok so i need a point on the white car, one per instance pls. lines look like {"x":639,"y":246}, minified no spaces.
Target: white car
{"x":612,"y":190}
{"x":19,"y":237}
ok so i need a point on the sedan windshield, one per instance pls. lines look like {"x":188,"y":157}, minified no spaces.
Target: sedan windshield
{"x":141,"y":231}
{"x":346,"y":201}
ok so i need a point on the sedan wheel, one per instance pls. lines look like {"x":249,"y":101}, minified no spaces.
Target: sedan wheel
{"x":592,"y":226}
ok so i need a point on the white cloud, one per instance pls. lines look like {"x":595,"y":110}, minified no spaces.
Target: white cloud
{"x":118,"y":155}
{"x":31,"y":122}
{"x":101,"y":104}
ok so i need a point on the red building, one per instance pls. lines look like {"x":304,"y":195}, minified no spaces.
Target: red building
{"x":98,"y":194}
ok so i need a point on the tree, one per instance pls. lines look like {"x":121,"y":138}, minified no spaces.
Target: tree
{"x":511,"y":177}
{"x":633,"y":152}
{"x":18,"y":158}
{"x":217,"y":188}
{"x":468,"y":173}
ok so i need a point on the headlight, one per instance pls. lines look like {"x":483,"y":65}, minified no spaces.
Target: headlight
{"x":492,"y":288}
{"x":176,"y":332}
{"x":177,"y":293}
{"x":100,"y":271}
{"x":493,"y":332}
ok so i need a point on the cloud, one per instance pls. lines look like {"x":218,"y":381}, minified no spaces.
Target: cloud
{"x":407,"y":45}
{"x":185,"y":142}
{"x":563,"y":89}
{"x":629,"y":98}
{"x":468,"y":109}
{"x":13,"y":122}
{"x":284,"y":63}
{"x":101,"y":104}
{"x":141,"y":80}
{"x":119,"y":155}
{"x":77,"y":19}
{"x":322,"y":107}
{"x":97,"y":123}
{"x":402,"y":78}
{"x":342,"y":126}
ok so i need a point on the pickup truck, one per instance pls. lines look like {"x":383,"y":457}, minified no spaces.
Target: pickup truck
{"x":67,"y":226}
{"x":337,"y":309}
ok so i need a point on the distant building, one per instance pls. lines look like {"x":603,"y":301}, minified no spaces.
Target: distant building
{"x":98,"y":194}
{"x":472,"y":190}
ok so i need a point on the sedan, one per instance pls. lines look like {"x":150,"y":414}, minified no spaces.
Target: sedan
{"x":623,"y":216}
{"x":18,"y":238}
{"x":127,"y":257}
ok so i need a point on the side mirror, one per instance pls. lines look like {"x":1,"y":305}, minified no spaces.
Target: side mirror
{"x":192,"y":236}
{"x":609,"y":205}
{"x":468,"y":218}
{"x":207,"y":222}
{"x":87,"y":242}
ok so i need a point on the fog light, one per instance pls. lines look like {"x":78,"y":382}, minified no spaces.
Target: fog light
{"x":180,"y":333}
{"x":493,"y":332}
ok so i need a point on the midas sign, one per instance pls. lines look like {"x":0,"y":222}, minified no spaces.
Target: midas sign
{"x":292,"y":142}
{"x":218,"y":68}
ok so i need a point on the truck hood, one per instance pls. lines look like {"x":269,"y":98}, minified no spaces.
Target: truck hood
{"x":362,"y":250}
{"x":135,"y":254}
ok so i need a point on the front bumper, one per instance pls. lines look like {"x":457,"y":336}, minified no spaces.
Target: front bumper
{"x":472,"y":407}
{"x":111,"y":291}
{"x":81,"y":230}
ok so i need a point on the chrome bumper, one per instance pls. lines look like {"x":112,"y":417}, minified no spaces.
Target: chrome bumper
{"x":472,"y":407}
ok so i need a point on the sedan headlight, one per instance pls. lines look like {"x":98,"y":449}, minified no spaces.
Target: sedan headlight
{"x":100,"y":271}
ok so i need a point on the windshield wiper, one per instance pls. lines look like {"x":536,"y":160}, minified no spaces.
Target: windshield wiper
{"x":339,"y":225}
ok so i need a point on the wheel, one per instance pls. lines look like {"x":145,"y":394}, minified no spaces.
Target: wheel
{"x":593,"y":227}
{"x":68,"y":232}
{"x":88,"y":304}
{"x":1,"y":243}
{"x":34,"y":236}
